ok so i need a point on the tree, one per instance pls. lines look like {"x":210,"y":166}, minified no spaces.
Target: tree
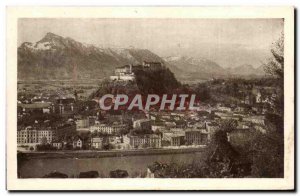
{"x":56,"y":174}
{"x":44,"y":141}
{"x":107,"y":146}
{"x":203,"y":92}
{"x":275,"y":68}
{"x":89,"y":174}
{"x":267,"y":150}
{"x":118,"y":174}
{"x":275,"y":65}
{"x":228,"y":125}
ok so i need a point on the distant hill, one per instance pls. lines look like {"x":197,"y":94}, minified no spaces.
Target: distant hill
{"x":260,"y":70}
{"x":56,"y":57}
{"x":246,"y":70}
{"x":190,"y":64}
{"x":201,"y":68}
{"x":198,"y":68}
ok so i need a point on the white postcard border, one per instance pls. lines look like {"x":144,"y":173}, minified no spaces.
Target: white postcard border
{"x":13,"y":183}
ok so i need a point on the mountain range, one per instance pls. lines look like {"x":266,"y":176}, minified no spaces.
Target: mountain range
{"x":208,"y":68}
{"x":57,"y":57}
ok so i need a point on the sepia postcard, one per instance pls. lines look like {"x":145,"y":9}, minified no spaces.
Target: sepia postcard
{"x":150,"y":98}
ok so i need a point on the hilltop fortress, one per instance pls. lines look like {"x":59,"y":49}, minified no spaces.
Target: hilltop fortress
{"x":126,"y":73}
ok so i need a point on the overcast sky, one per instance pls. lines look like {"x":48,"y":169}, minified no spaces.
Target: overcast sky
{"x":229,"y":42}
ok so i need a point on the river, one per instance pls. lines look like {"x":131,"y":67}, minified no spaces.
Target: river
{"x":134,"y":165}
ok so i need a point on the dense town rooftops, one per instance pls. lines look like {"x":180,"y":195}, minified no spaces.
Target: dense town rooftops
{"x":174,"y":134}
{"x":35,"y":128}
{"x":212,"y":124}
{"x":192,"y":130}
{"x":38,"y":105}
{"x":154,"y":136}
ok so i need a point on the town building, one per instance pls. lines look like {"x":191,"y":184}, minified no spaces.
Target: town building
{"x":57,"y":144}
{"x":45,"y":136}
{"x":114,"y":129}
{"x":157,"y":127}
{"x":241,"y":108}
{"x":152,"y":65}
{"x":243,"y":125}
{"x":260,"y":128}
{"x":143,"y":141}
{"x":83,"y":124}
{"x":37,"y":108}
{"x":27,"y":135}
{"x":92,"y":120}
{"x":96,"y":142}
{"x":77,"y":142}
{"x":123,"y":73}
{"x":196,"y":137}
{"x":64,"y":106}
{"x":224,"y":109}
{"x":258,"y":97}
{"x":174,"y":138}
{"x":177,"y":140}
{"x":31,"y":135}
{"x":256,"y":119}
{"x":127,"y":69}
{"x":170,"y":124}
{"x":63,"y":129}
{"x":142,"y":124}
{"x":227,"y":115}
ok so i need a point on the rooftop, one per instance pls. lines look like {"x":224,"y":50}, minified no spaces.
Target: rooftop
{"x":97,"y":139}
{"x":34,"y":105}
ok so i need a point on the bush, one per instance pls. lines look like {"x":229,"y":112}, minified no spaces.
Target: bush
{"x":56,"y":175}
{"x":89,"y":174}
{"x":118,"y":174}
{"x":45,"y":147}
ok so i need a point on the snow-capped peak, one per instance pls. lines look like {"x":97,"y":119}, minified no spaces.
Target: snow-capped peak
{"x":43,"y":46}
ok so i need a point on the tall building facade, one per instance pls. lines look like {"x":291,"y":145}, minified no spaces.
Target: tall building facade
{"x":31,"y":135}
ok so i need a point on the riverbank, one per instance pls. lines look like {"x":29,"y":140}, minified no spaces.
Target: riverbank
{"x":111,"y":153}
